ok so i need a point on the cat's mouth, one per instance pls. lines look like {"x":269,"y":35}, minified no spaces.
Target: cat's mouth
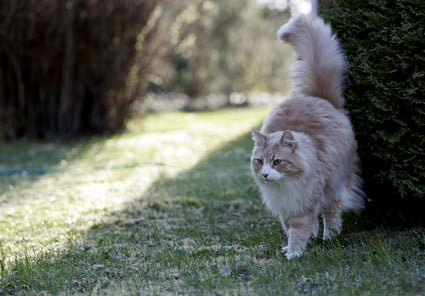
{"x":270,"y":180}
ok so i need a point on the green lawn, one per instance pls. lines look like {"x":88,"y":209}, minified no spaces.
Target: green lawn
{"x":169,"y":207}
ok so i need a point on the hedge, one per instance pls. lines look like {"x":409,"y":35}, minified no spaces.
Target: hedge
{"x":384,"y":43}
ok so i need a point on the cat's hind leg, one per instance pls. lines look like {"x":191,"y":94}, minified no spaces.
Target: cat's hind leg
{"x":332,"y":223}
{"x":332,"y":212}
{"x":315,"y":229}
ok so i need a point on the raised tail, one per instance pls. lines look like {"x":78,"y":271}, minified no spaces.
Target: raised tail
{"x":321,"y":65}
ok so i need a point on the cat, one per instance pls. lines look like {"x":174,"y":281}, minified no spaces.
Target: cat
{"x":304,"y":158}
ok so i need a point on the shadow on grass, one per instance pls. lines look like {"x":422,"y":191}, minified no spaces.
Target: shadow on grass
{"x":212,"y":208}
{"x":199,"y":221}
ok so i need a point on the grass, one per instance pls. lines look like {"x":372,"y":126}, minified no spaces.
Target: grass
{"x":169,"y":208}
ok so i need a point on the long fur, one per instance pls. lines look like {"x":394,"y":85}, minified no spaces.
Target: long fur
{"x":319,"y":70}
{"x":311,"y":136}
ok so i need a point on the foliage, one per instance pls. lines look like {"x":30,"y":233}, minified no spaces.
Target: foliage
{"x":384,"y":43}
{"x":226,"y":46}
{"x":177,"y":215}
{"x":72,"y":67}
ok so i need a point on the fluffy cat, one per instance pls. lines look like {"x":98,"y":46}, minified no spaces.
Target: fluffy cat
{"x":304,"y":159}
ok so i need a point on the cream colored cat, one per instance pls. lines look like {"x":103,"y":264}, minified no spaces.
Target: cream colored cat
{"x":304,"y":160}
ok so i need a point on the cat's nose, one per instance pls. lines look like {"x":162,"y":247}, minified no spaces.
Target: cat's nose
{"x":265,"y":176}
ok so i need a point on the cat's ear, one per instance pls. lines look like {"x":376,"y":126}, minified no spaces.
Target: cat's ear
{"x":259,"y":138}
{"x":288,"y":140}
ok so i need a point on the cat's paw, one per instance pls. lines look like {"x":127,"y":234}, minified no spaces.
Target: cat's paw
{"x":329,"y":233}
{"x":292,"y":254}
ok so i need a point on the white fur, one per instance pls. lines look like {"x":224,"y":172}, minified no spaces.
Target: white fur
{"x":273,"y":175}
{"x":286,"y":196}
{"x":285,"y":29}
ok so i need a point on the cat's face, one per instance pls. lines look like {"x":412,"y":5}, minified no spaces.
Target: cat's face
{"x":275,"y":157}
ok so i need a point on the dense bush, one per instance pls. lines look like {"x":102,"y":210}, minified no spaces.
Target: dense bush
{"x":384,"y":43}
{"x":72,"y":67}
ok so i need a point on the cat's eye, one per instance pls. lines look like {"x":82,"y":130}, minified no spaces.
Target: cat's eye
{"x":277,"y":162}
{"x":258,"y":161}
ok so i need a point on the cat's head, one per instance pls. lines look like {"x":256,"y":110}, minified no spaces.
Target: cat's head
{"x":276,"y":156}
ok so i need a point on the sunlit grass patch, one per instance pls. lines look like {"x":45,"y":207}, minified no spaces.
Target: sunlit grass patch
{"x":170,"y":207}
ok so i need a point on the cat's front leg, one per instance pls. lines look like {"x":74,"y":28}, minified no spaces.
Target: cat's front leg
{"x":300,"y":228}
{"x":285,"y":227}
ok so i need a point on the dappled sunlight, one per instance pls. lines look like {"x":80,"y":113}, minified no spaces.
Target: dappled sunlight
{"x":175,"y":208}
{"x":90,"y":183}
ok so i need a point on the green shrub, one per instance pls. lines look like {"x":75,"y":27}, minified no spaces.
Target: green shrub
{"x":384,"y":43}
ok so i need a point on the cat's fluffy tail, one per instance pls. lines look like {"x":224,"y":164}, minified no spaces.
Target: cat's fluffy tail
{"x":353,"y":197}
{"x":319,"y":70}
